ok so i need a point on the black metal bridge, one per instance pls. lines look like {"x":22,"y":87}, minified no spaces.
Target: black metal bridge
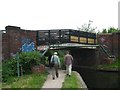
{"x":64,"y":38}
{"x":59,"y":36}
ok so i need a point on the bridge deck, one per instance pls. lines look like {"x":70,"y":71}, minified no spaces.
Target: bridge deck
{"x":66,"y":45}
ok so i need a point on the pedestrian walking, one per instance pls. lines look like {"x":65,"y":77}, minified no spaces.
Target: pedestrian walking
{"x":55,"y":64}
{"x":68,"y":62}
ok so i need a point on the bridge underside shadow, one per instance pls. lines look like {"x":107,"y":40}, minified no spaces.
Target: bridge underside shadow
{"x":84,"y":56}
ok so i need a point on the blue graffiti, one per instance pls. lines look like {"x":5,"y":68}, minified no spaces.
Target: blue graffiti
{"x":27,"y":40}
{"x":28,"y":45}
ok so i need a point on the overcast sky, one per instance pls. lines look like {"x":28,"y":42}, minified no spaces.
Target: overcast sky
{"x":58,"y":14}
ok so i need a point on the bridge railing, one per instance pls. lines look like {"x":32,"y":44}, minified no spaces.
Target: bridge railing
{"x":46,"y":37}
{"x":107,"y":51}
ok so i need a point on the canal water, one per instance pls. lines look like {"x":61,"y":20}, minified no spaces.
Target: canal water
{"x":99,"y":79}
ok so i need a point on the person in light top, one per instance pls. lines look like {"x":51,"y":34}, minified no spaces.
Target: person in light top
{"x":56,"y":65}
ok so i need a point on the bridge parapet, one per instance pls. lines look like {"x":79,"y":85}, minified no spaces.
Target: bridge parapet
{"x":48,"y":37}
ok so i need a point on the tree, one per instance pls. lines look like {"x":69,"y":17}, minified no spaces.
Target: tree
{"x":87,"y":27}
{"x":104,"y":31}
{"x":111,"y":30}
{"x":98,"y":32}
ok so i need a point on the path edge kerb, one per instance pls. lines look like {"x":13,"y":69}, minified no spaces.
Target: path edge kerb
{"x":82,"y":83}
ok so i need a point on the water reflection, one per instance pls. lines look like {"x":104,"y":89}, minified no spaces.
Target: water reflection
{"x":99,"y":79}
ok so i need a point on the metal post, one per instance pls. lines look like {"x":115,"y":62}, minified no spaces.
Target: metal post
{"x":18,"y":70}
{"x":21,"y":70}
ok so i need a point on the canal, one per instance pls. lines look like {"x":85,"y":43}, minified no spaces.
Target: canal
{"x":98,"y":79}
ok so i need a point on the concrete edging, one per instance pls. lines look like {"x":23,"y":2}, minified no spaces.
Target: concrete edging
{"x":83,"y":85}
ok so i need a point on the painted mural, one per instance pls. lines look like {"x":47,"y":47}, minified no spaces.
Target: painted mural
{"x":28,"y":45}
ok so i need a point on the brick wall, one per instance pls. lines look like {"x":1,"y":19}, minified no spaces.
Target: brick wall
{"x":116,"y":43}
{"x":13,"y":40}
{"x":5,"y":46}
{"x":106,"y":39}
{"x":112,"y":42}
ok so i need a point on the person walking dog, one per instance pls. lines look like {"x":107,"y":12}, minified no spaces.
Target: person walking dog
{"x":68,"y":62}
{"x":55,"y":63}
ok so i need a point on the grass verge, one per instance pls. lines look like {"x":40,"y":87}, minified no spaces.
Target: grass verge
{"x":114,"y":66}
{"x":71,"y":82}
{"x":26,"y":81}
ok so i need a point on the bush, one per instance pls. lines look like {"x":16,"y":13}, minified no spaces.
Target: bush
{"x":26,"y":60}
{"x":29,"y":59}
{"x":9,"y":69}
{"x":61,"y":56}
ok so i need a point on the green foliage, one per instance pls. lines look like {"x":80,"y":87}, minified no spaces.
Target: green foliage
{"x":87,"y":27}
{"x":9,"y":69}
{"x":113,"y":66}
{"x":26,"y":57}
{"x":61,"y":54}
{"x":26,"y":61}
{"x":43,"y":60}
{"x":71,"y":82}
{"x":104,"y":31}
{"x":111,"y":30}
{"x":29,"y":59}
{"x":116,"y":63}
{"x":26,"y":81}
{"x":62,"y":63}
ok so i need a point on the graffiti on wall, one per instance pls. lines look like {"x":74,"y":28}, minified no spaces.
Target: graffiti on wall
{"x":28,"y":45}
{"x":105,"y":40}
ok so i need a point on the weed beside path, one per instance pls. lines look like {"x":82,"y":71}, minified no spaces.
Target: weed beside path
{"x":71,"y":82}
{"x":26,"y":81}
